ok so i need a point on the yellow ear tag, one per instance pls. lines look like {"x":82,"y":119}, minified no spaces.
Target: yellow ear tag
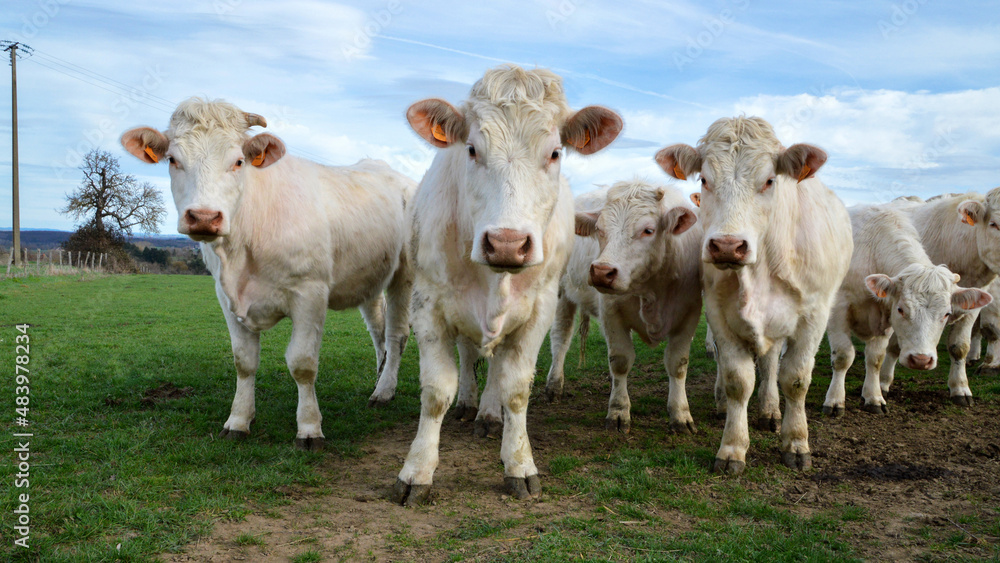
{"x":259,"y":159}
{"x":152,"y":155}
{"x":967,"y":219}
{"x":438,"y":133}
{"x":805,"y":172}
{"x":678,"y":173}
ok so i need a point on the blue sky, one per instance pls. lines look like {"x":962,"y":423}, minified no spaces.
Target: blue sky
{"x":903,"y":95}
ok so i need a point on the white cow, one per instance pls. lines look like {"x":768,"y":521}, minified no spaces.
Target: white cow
{"x":637,"y":266}
{"x":961,"y":231}
{"x":286,"y":237}
{"x":492,"y":227}
{"x":891,"y":289}
{"x":779,"y":242}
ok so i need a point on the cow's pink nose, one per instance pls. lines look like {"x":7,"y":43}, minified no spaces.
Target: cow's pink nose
{"x":728,"y":250}
{"x":205,"y":222}
{"x":919,"y":361}
{"x":603,"y":276}
{"x":507,"y":248}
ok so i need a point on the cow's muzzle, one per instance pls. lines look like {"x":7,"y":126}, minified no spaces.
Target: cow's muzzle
{"x":728,"y":251}
{"x":507,"y":249}
{"x":920,"y":361}
{"x":603,"y":277}
{"x":203,"y":224}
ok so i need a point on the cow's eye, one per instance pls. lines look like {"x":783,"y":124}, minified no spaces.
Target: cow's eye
{"x":170,"y":160}
{"x":994,"y":225}
{"x":647,"y":231}
{"x":472,"y":151}
{"x":555,"y":155}
{"x":704,"y":184}
{"x":947,"y":316}
{"x":239,"y":163}
{"x":768,"y":184}
{"x":900,"y":311}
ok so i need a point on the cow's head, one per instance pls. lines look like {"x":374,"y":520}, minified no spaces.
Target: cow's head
{"x":921,"y":301}
{"x":984,"y":216}
{"x":635,"y":229}
{"x":509,"y":137}
{"x":743,"y":169}
{"x":210,"y":155}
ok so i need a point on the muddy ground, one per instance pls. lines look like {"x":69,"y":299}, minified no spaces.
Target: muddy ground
{"x":916,"y":472}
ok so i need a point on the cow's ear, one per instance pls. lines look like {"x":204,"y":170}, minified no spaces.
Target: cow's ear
{"x":679,"y":219}
{"x":800,"y":161}
{"x":438,"y":122}
{"x":586,"y":223}
{"x":971,"y":211}
{"x":263,"y":150}
{"x":880,"y":285}
{"x":696,"y":199}
{"x":145,"y":143}
{"x":679,"y":161}
{"x":591,"y":129}
{"x":972,"y":298}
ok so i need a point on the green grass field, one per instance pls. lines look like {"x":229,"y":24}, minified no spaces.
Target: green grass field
{"x":119,"y":475}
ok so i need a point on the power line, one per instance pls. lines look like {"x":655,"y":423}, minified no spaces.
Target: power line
{"x":116,"y":90}
{"x":77,"y":68}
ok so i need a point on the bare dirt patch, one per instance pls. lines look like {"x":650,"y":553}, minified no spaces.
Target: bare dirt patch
{"x":917,"y":477}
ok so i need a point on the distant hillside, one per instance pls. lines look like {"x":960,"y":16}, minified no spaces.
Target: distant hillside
{"x":46,"y":239}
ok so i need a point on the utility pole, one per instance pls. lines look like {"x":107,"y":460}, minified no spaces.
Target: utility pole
{"x":12,"y":46}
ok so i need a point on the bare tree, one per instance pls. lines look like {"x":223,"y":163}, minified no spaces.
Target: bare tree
{"x":109,"y":200}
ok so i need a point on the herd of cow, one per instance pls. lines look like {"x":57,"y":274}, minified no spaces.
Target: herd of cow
{"x":491,"y":252}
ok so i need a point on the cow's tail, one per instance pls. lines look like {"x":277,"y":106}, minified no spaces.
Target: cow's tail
{"x":583,"y":330}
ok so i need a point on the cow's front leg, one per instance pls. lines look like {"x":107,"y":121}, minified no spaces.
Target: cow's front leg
{"x":621,"y":355}
{"x":438,"y":382}
{"x":560,"y":337}
{"x":958,"y":349}
{"x":887,"y":373}
{"x":675,"y":359}
{"x":736,"y":375}
{"x":794,"y":377}
{"x":841,"y":355}
{"x":373,"y":312}
{"x":302,"y":357}
{"x":875,"y":355}
{"x":246,"y":353}
{"x":769,"y":418}
{"x":468,"y":386}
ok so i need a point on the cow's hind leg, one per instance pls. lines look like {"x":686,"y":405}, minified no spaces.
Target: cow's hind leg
{"x":373,"y":312}
{"x":468,"y":385}
{"x":246,"y":353}
{"x":560,"y":337}
{"x":302,"y":357}
{"x":842,"y":356}
{"x":397,"y":332}
{"x":769,"y":417}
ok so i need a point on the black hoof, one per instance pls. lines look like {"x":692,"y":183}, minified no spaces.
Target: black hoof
{"x":798,"y":462}
{"x":835,"y":411}
{"x":683,"y":427}
{"x":962,"y":400}
{"x":768,"y":424}
{"x":465,"y":413}
{"x":375,"y":402}
{"x":729,"y":466}
{"x":310,"y":444}
{"x":524,"y":489}
{"x":234,"y":435}
{"x":553,"y":395}
{"x":875,"y":409}
{"x":487,"y":428}
{"x":618,"y":424}
{"x":410,"y":495}
{"x":988,"y":370}
{"x":720,"y":415}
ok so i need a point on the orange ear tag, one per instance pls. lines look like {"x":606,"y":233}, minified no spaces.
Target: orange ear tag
{"x":882,"y":293}
{"x":967,"y":219}
{"x":678,"y":173}
{"x":805,"y":172}
{"x":152,"y":155}
{"x":259,"y":159}
{"x":438,"y":133}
